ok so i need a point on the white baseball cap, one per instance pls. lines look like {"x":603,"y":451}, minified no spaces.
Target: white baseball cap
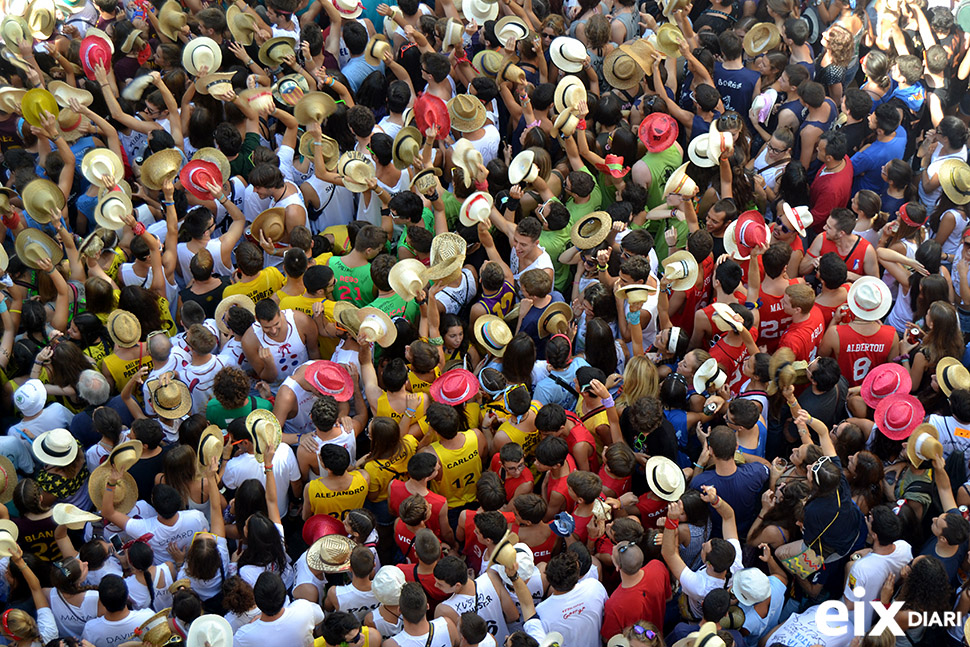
{"x":751,"y":586}
{"x":31,"y":397}
{"x":387,"y":585}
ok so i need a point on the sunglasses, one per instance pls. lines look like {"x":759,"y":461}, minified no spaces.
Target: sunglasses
{"x":784,"y":228}
{"x":640,"y":631}
{"x":818,"y":464}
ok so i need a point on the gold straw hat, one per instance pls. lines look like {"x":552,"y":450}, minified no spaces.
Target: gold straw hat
{"x":265,"y":430}
{"x":43,"y":200}
{"x":447,"y":256}
{"x":124,"y":328}
{"x":242,"y":25}
{"x":160,"y":167}
{"x":331,"y":554}
{"x":126,"y":491}
{"x":33,"y":245}
{"x":171,"y":401}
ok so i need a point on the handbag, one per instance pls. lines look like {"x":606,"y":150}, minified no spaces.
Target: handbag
{"x":808,"y":561}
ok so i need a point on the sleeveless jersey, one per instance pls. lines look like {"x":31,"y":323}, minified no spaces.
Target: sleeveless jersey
{"x":300,"y":423}
{"x":437,"y":636}
{"x":384,"y":473}
{"x":859,"y":354}
{"x":460,"y":470}
{"x":336,"y":503}
{"x":385,"y":627}
{"x":384,"y":409}
{"x":474,"y":549}
{"x":353,"y":284}
{"x":731,"y":359}
{"x":543,"y":552}
{"x":399,"y":491}
{"x":661,"y":166}
{"x":353,"y":600}
{"x":404,"y":539}
{"x":828,"y":312}
{"x":856,"y":258}
{"x":419,"y":385}
{"x":695,"y":298}
{"x":773,"y":319}
{"x":528,"y":441}
{"x":287,"y":354}
{"x":500,"y":303}
{"x":580,"y":434}
{"x":486,"y":603}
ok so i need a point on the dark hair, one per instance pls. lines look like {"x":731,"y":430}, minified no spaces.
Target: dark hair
{"x":269,"y":592}
{"x":113,"y":593}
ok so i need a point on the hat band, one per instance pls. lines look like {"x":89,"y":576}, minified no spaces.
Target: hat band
{"x":859,"y":305}
{"x":920,"y":441}
{"x":458,"y":398}
{"x":55,"y":453}
{"x":656,"y":482}
{"x":324,"y":389}
{"x":346,"y":11}
{"x":891,"y":390}
{"x":946,"y":380}
{"x":491,"y":342}
{"x":891,"y":427}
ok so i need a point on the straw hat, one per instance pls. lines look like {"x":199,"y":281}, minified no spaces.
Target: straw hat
{"x":681,"y":268}
{"x":99,"y":162}
{"x":745,"y":233}
{"x":35,"y":103}
{"x":217,"y":85}
{"x":9,"y":533}
{"x":10,"y":99}
{"x":511,"y":72}
{"x":670,"y":6}
{"x":447,"y":256}
{"x":201,"y":52}
{"x":289,"y":89}
{"x":569,"y":93}
{"x":210,"y":630}
{"x":426,"y":181}
{"x":331,"y":554}
{"x":453,"y":34}
{"x":8,"y":479}
{"x":217,"y":157}
{"x":480,"y":11}
{"x":869,"y":299}
{"x":271,"y":222}
{"x":591,"y":230}
{"x":923,"y":445}
{"x":124,"y":328}
{"x":171,"y":20}
{"x":273,"y":51}
{"x":465,"y":156}
{"x":566,"y":123}
{"x":356,"y":169}
{"x":406,"y":278}
{"x":476,"y":208}
{"x":328,"y":148}
{"x":160,"y":167}
{"x":241,"y":24}
{"x":93,"y":244}
{"x":407,"y":147}
{"x":375,"y":50}
{"x":523,"y":168}
{"x":111,"y":209}
{"x":43,"y":200}
{"x":706,"y":635}
{"x":636,"y":293}
{"x":642,"y":52}
{"x":488,"y":62}
{"x":265,"y":430}
{"x":211,"y":445}
{"x":222,"y":309}
{"x":669,"y":37}
{"x":679,"y":183}
{"x":467,"y":113}
{"x":555,"y":319}
{"x":761,"y":39}
{"x":799,"y":218}
{"x":55,"y":447}
{"x":314,"y":107}
{"x":67,"y":514}
{"x":347,"y":316}
{"x":954,"y":177}
{"x":431,"y":110}
{"x":665,"y":478}
{"x":377,"y":327}
{"x":42,"y":18}
{"x":136,"y":87}
{"x":709,"y":377}
{"x":330,"y":378}
{"x":885,"y":380}
{"x":156,"y":631}
{"x":568,"y":54}
{"x":14,"y":59}
{"x":33,"y":245}
{"x":724,"y":318}
{"x":348,"y":9}
{"x":621,"y":70}
{"x":503,"y":553}
{"x":492,"y":334}
{"x":14,"y":30}
{"x":125,"y":454}
{"x":897,"y":415}
{"x":511,"y":27}
{"x":705,"y":150}
{"x":171,"y":401}
{"x":951,"y":375}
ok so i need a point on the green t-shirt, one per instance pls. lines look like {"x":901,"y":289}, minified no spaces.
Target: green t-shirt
{"x":353,"y":283}
{"x":577,"y":211}
{"x":661,"y":165}
{"x":428,"y":217}
{"x":221,"y":417}
{"x":452,"y":208}
{"x":395,"y":306}
{"x":555,"y":243}
{"x":243,"y":163}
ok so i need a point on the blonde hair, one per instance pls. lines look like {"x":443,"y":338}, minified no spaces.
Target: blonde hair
{"x":20,"y":626}
{"x":801,"y":296}
{"x":639,"y":379}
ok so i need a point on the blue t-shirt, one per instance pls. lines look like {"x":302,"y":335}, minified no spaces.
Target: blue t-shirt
{"x":736,"y":88}
{"x":867,"y":164}
{"x":357,"y":69}
{"x":762,"y":440}
{"x":952,"y":563}
{"x":913,"y":96}
{"x":530,"y":326}
{"x":549,"y":391}
{"x":742,"y":490}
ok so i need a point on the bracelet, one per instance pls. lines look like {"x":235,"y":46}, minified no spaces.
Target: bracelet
{"x":671,"y":524}
{"x":49,"y":272}
{"x":581,"y":125}
{"x":602,"y":268}
{"x":410,"y":413}
{"x":38,"y":363}
{"x":166,"y":203}
{"x":267,"y":470}
{"x":138,"y":229}
{"x":534,"y":124}
{"x":633,"y":318}
{"x":717,"y":501}
{"x":608,"y":402}
{"x":250,"y":63}
{"x":433,"y":197}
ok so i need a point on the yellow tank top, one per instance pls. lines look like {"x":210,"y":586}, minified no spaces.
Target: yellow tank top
{"x":460,"y":470}
{"x":336,"y":503}
{"x":122,"y":371}
{"x":364,"y":634}
{"x":385,"y":409}
{"x":116,"y":262}
{"x":341,"y":239}
{"x":419,"y":385}
{"x":382,"y":472}
{"x":593,"y":422}
{"x":168,"y":324}
{"x":528,"y":441}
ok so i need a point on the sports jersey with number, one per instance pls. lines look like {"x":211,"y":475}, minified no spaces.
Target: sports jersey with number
{"x":353,"y":284}
{"x":460,"y":470}
{"x":773,"y":319}
{"x":859,"y":354}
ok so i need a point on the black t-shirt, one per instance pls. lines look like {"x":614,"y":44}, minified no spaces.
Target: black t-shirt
{"x":145,"y":471}
{"x":855,"y":135}
{"x":833,"y":519}
{"x":209,"y":301}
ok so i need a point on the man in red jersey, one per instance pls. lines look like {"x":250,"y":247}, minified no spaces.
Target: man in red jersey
{"x":735,"y":342}
{"x":859,"y":256}
{"x":805,"y":332}
{"x":684,"y":305}
{"x":727,"y":290}
{"x":866,"y":342}
{"x":642,"y":594}
{"x":774,"y":319}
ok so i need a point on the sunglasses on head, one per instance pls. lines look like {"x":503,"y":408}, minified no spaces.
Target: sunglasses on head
{"x":640,"y":631}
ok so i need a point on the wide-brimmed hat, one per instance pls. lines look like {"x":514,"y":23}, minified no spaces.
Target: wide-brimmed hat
{"x":568,"y":54}
{"x":455,"y":387}
{"x":377,"y":327}
{"x":8,"y":479}
{"x":897,"y":415}
{"x":35,"y":103}
{"x":217,"y":85}
{"x":476,"y":209}
{"x":511,"y":72}
{"x":642,"y":51}
{"x":9,"y":533}
{"x":723,"y":318}
{"x":171,"y":401}
{"x":670,"y":6}
{"x":954,"y":177}
{"x":924,"y":443}
{"x":32,"y":245}
{"x":14,"y":59}
{"x":126,"y":491}
{"x":124,"y":328}
{"x":425,"y":181}
{"x":799,"y":218}
{"x":314,"y":107}
{"x":160,"y":167}
{"x":751,"y":586}
{"x":210,"y":630}
{"x":241,"y":25}
{"x":591,"y":230}
{"x":348,"y":9}
{"x":289,"y":89}
{"x":522,"y":168}
{"x":265,"y":430}
{"x":171,"y":19}
{"x":705,"y":150}
{"x":13,"y":30}
{"x":111,"y":209}
{"x":43,"y":200}
{"x":100,"y":162}
{"x":201,"y":52}
{"x":10,"y":99}
{"x":70,"y":124}
{"x":453,"y":34}
{"x":511,"y":27}
{"x":406,"y":278}
{"x":331,"y":554}
{"x":321,"y":525}
{"x":745,"y":233}
{"x":376,"y":47}
{"x":566,"y":123}
{"x":668,"y":38}
{"x":762,"y":38}
{"x":709,"y":377}
{"x":488,"y":62}
{"x":681,"y":269}
{"x":272,"y":224}
{"x":156,"y":631}
{"x":197,"y":174}
{"x":124,"y":455}
{"x":387,"y":585}
{"x":467,"y":113}
{"x":480,"y":11}
{"x":658,"y":131}
{"x":869,"y":298}
{"x":569,"y":93}
{"x":68,"y":514}
{"x":136,"y":87}
{"x":240,"y":300}
{"x":330,"y":378}
{"x":493,"y":334}
{"x":636,"y":293}
{"x":41,"y":18}
{"x":763,"y":104}
{"x":665,"y":478}
{"x":612,"y":165}
{"x":347,"y":316}
{"x":465,"y":156}
{"x":447,"y":256}
{"x":883,"y":381}
{"x":211,"y":445}
{"x":431,"y":110}
{"x":679,"y":183}
{"x":952,"y":375}
{"x":329,"y":148}
{"x":273,"y":51}
{"x":621,"y":70}
{"x":55,"y":447}
{"x":356,"y":169}
{"x":555,"y":319}
{"x":407,"y":147}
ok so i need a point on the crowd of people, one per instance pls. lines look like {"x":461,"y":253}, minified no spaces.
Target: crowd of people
{"x":498,"y":323}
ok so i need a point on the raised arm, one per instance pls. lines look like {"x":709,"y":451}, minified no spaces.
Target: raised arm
{"x":272,"y":507}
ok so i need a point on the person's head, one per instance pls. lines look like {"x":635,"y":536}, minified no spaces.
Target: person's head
{"x":113,"y":593}
{"x":563,"y":571}
{"x":832,"y":147}
{"x":148,"y":432}
{"x":954,"y":131}
{"x":585,"y":485}
{"x":722,"y":213}
{"x":907,"y":70}
{"x":414,"y":602}
{"x":857,"y":103}
{"x":93,"y":387}
{"x":342,"y":628}
{"x":526,"y":236}
{"x":335,"y":459}
{"x":798,"y":300}
{"x":885,"y":525}
{"x":370,"y":241}
{"x":269,"y":593}
{"x":427,"y":547}
{"x":267,"y":180}
{"x":551,"y":453}
{"x":723,"y":443}
{"x":727,"y":276}
{"x":443,"y":419}
{"x":414,"y":510}
{"x":731,"y":45}
{"x":832,"y":271}
{"x":535,"y":284}
{"x":354,"y":36}
{"x":824,"y":373}
{"x":451,"y":574}
{"x":776,"y":259}
{"x":885,"y":120}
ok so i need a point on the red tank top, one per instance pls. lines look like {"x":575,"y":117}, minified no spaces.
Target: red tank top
{"x":474,"y":549}
{"x":829,"y":311}
{"x":435,"y":595}
{"x":543,"y":552}
{"x":580,"y":434}
{"x":745,"y":266}
{"x":620,"y":486}
{"x":856,"y":259}
{"x":773,"y":319}
{"x":695,"y":298}
{"x":559,"y":485}
{"x":404,"y":539}
{"x":731,"y":360}
{"x":399,"y":491}
{"x":859,"y":354}
{"x":511,"y":484}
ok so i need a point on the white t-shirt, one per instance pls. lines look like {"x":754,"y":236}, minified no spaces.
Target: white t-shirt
{"x":577,"y":614}
{"x":54,"y":416}
{"x":488,"y":144}
{"x":697,"y":584}
{"x":69,"y":618}
{"x":929,"y":199}
{"x":293,"y":629}
{"x":285,"y":469}
{"x":201,"y":380}
{"x":210,"y":588}
{"x":871,"y":571}
{"x":110,"y":633}
{"x":542,"y":262}
{"x":187,"y":524}
{"x":954,"y":436}
{"x":305,"y":576}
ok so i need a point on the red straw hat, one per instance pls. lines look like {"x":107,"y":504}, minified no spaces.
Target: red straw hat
{"x":750,"y":231}
{"x":613,"y":164}
{"x":330,"y":378}
{"x":430,"y":110}
{"x":197,"y":174}
{"x":321,"y":525}
{"x":884,"y":381}
{"x":898,"y":415}
{"x":455,"y":387}
{"x":658,"y":132}
{"x":94,"y":50}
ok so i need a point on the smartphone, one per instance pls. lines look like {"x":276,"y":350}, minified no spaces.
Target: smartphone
{"x":116,"y":543}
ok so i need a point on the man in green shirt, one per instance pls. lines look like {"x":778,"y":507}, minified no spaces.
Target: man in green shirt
{"x":238,"y":149}
{"x":387,"y":300}
{"x":407,"y":209}
{"x":585,"y":196}
{"x":231,"y":398}
{"x":555,"y":238}
{"x":352,"y":272}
